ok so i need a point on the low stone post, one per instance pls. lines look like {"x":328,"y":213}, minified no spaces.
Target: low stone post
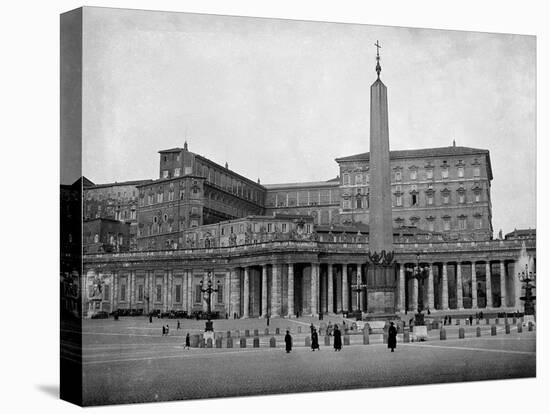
{"x":442,"y":334}
{"x":520,"y":328}
{"x":493,"y":330}
{"x":366,"y":339}
{"x":256,"y":333}
{"x":256,"y":342}
{"x":218,"y":342}
{"x":478,"y":331}
{"x":209,"y":343}
{"x":243,"y":342}
{"x":229,"y":342}
{"x":514,"y":320}
{"x":406,"y":337}
{"x":272,"y":342}
{"x":346,"y":339}
{"x":277,"y":331}
{"x":327,"y":340}
{"x":247,"y":332}
{"x":507,"y":328}
{"x":266,"y":331}
{"x":460,"y":333}
{"x":307,"y":342}
{"x":385,"y":337}
{"x":530,"y":326}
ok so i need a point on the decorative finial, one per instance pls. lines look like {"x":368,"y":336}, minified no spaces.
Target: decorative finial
{"x":378,"y":67}
{"x":258,"y":180}
{"x":185,"y":146}
{"x":226,"y":165}
{"x":454,"y":143}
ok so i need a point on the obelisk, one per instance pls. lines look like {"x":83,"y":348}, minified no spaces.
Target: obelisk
{"x":381,"y":273}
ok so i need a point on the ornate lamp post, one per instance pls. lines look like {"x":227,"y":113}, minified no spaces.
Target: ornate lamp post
{"x":358,"y":287}
{"x":419,"y":273}
{"x":526,"y":277}
{"x":208,"y":296}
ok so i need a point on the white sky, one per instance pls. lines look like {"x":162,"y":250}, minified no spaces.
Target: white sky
{"x":280,"y":99}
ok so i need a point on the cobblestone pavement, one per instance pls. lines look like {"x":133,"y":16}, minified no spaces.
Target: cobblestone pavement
{"x":129,"y":361}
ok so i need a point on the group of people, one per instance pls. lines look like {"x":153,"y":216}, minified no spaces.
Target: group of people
{"x":165,"y":330}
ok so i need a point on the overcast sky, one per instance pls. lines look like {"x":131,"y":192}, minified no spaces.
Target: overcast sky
{"x":280,"y":99}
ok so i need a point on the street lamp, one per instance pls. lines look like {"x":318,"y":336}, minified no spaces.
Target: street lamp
{"x":358,"y":288}
{"x":209,"y":290}
{"x":526,"y":277}
{"x":419,"y":273}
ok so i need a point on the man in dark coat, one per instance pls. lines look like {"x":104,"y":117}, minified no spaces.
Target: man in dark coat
{"x":392,"y":337}
{"x":314,"y":340}
{"x":471,"y":320}
{"x":187,"y":341}
{"x":288,"y":342}
{"x":337,"y":338}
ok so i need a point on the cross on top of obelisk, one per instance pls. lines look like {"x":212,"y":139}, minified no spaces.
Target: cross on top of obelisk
{"x":378,"y":67}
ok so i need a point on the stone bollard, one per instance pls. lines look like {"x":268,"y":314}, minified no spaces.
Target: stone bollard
{"x":243,"y":342}
{"x":496,"y":321}
{"x":272,"y":342}
{"x":346,"y":339}
{"x":194,"y":341}
{"x":277,"y":331}
{"x":507,"y":328}
{"x":256,"y":333}
{"x":228,"y":334}
{"x":493,"y":330}
{"x":478,"y":331}
{"x":307,"y":342}
{"x":247,"y":332}
{"x":406,"y":337}
{"x":520,"y":328}
{"x":514,"y":320}
{"x":256,"y":342}
{"x":442,"y":334}
{"x":460,"y":333}
{"x":327,"y":340}
{"x":218,"y":342}
{"x":487,"y":321}
{"x":266,"y":331}
{"x":385,"y":337}
{"x":366,"y":339}
{"x":209,"y":343}
{"x":299,"y":329}
{"x":229,"y":342}
{"x":530,"y":326}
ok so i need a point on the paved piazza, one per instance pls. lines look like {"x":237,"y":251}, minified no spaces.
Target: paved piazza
{"x":129,"y":361}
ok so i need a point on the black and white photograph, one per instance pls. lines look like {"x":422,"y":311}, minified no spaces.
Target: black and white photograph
{"x":256,"y":205}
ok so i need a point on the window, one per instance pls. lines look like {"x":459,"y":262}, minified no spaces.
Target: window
{"x":269,"y":227}
{"x":165,"y":174}
{"x":445,"y":198}
{"x":445,"y":172}
{"x":413,"y":174}
{"x":346,"y":179}
{"x":431,"y":225}
{"x":308,"y":228}
{"x":478,"y":222}
{"x":219,"y":293}
{"x":182,"y":193}
{"x":358,"y":179}
{"x":150,"y":199}
{"x":446,"y":224}
{"x":106,"y":292}
{"x":366,"y":178}
{"x":430,"y":174}
{"x":430,"y":199}
{"x":133,"y":215}
{"x":165,"y":218}
{"x":96,"y":238}
{"x":177,"y":172}
{"x":160,"y":197}
{"x":414,"y":200}
{"x":284,"y":227}
{"x":399,"y":200}
{"x":462,"y":223}
{"x":178,"y":293}
{"x":460,"y":172}
{"x":140,"y":293}
{"x":346,"y":204}
{"x":476,"y":172}
{"x":194,"y":223}
{"x":171,"y":196}
{"x":461,"y":198}
{"x":159,"y":293}
{"x":358,"y":202}
{"x":478,"y":197}
{"x":123,"y":292}
{"x":398,"y":176}
{"x":198,"y":294}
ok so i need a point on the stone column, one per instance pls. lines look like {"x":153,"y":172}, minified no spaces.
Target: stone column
{"x":246,"y":293}
{"x":290,"y":297}
{"x":415,"y":295}
{"x":170,"y":289}
{"x":190,"y":287}
{"x":345,"y":294}
{"x":474,"y":286}
{"x":275,"y":290}
{"x":361,"y":301}
{"x":330,"y":289}
{"x":459,"y":295}
{"x":431,"y":299}
{"x":184,"y":290}
{"x":264,"y":291}
{"x":165,"y":291}
{"x":314,"y":288}
{"x":401,"y":287}
{"x":235,"y":298}
{"x":338,"y":289}
{"x":488,"y":290}
{"x":113,"y":291}
{"x":444,"y":289}
{"x":502,"y":284}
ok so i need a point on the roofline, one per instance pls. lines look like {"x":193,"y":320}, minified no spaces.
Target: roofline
{"x":119,"y":184}
{"x":304,"y":184}
{"x":248,"y":180}
{"x":167,"y":180}
{"x":397,"y":154}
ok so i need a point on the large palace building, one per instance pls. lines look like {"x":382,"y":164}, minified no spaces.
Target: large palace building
{"x":300,"y":248}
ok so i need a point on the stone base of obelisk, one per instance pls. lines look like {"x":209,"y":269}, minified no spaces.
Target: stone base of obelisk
{"x":381,"y":290}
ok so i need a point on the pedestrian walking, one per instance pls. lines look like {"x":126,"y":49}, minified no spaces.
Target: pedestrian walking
{"x":163,"y":330}
{"x":329,"y":328}
{"x":268,"y":320}
{"x":187,"y":341}
{"x":150,"y":318}
{"x":450,"y":320}
{"x":392,"y":337}
{"x":314,"y":340}
{"x":167,"y":329}
{"x":312,"y":328}
{"x":337,"y":338}
{"x":178,"y":327}
{"x":471,"y":320}
{"x":288,"y":342}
